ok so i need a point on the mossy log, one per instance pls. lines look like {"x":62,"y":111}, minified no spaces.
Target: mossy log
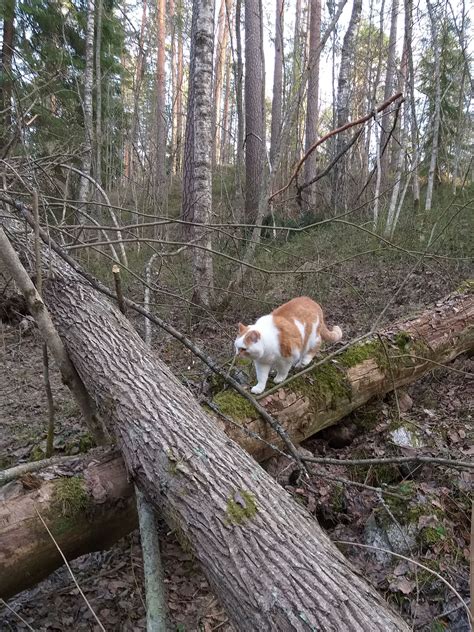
{"x":88,"y":505}
{"x":396,"y":356}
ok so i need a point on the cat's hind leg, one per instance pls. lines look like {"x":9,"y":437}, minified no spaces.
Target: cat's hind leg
{"x":262,"y":371}
{"x":309,"y":355}
{"x":284,"y":365}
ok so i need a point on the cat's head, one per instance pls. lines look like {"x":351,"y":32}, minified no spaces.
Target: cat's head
{"x":248,"y":343}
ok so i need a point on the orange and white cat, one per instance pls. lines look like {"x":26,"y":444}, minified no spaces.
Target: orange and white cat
{"x":290,"y":336}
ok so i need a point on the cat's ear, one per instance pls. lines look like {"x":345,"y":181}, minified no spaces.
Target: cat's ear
{"x":242,"y":328}
{"x":252,"y":337}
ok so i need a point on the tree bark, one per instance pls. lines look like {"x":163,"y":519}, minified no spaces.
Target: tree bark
{"x":436,"y":121}
{"x":88,"y":122}
{"x":254,"y":124}
{"x":6,"y":80}
{"x":264,"y":555}
{"x":98,"y":93}
{"x":160,"y":187}
{"x":277,"y":84}
{"x":385,"y":118}
{"x":343,"y":90}
{"x":88,"y":506}
{"x":221,"y":46}
{"x":201,"y":197}
{"x":312,"y":107}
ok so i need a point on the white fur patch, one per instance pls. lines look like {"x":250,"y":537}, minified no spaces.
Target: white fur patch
{"x":301,"y":328}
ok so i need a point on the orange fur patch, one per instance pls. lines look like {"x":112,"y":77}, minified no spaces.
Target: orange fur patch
{"x":307,"y":312}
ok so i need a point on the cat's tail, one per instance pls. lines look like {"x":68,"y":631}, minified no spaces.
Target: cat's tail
{"x":333,"y":335}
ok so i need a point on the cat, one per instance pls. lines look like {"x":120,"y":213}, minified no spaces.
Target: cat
{"x":290,"y":336}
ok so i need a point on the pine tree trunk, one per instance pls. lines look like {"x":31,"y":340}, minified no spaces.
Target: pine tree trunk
{"x":221,"y":48}
{"x":343,"y":92}
{"x":312,"y":108}
{"x":160,"y":184}
{"x":385,"y":118}
{"x":6,"y":79}
{"x":254,"y":107}
{"x":98,"y":93}
{"x":277,"y":84}
{"x":88,"y":121}
{"x":179,"y":92}
{"x":266,"y":558}
{"x":436,"y":122}
{"x":239,"y":79}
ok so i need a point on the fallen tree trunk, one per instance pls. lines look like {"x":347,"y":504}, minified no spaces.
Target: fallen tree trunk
{"x":88,"y":505}
{"x":265,"y":556}
{"x":396,"y":356}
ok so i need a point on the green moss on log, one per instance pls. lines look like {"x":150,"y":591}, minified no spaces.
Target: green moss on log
{"x":70,"y":499}
{"x":240,"y":507}
{"x":234,"y":405}
{"x":325,"y":386}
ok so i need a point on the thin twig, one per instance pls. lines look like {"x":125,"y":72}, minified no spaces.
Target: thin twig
{"x":393,"y":460}
{"x":70,"y":571}
{"x":408,"y":559}
{"x":17,"y":615}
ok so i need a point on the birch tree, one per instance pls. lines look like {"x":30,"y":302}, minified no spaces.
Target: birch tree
{"x":198,"y":151}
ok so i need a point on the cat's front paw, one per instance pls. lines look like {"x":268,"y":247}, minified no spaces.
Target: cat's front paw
{"x":257,"y":389}
{"x":279,"y":378}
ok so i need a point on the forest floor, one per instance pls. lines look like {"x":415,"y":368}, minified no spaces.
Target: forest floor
{"x":430,"y":524}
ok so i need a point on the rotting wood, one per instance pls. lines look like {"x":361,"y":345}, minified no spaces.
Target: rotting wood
{"x":88,"y":505}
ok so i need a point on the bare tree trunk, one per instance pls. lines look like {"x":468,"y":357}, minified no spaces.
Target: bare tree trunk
{"x":98,"y":93}
{"x":88,"y":121}
{"x":221,"y":48}
{"x":179,"y":92}
{"x":385,"y":118}
{"x":312,"y":107}
{"x":343,"y":90}
{"x":226,"y":119}
{"x":239,"y":80}
{"x":6,"y":78}
{"x":201,"y":117}
{"x":187,"y":210}
{"x":265,"y":556}
{"x":160,"y":184}
{"x":254,"y":107}
{"x":131,"y":143}
{"x":436,"y":122}
{"x":277,"y":84}
{"x":411,"y":96}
